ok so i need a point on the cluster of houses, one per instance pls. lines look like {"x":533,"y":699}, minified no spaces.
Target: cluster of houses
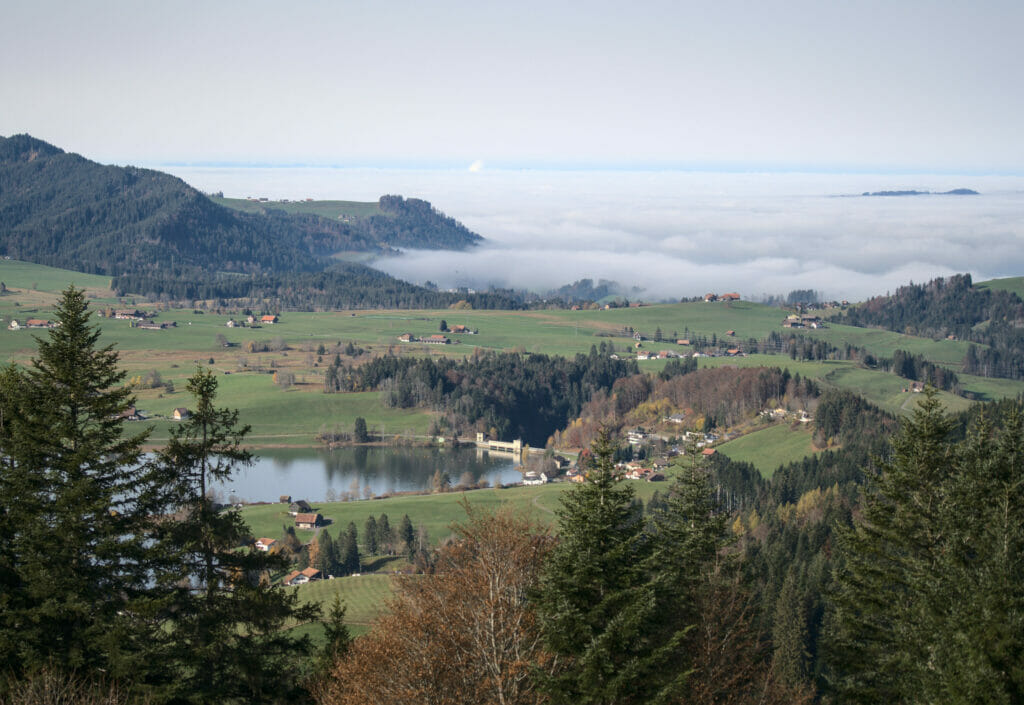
{"x":264,"y":320}
{"x":32,"y":323}
{"x":806,"y":320}
{"x":436,"y":339}
{"x":732,"y":296}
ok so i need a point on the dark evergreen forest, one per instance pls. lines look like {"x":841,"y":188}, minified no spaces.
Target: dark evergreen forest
{"x":159,"y":237}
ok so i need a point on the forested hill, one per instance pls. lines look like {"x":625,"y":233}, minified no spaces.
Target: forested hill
{"x":147,"y":228}
{"x":955,"y":307}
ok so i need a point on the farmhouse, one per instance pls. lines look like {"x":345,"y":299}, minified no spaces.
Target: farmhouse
{"x":180,"y":413}
{"x":38,"y":323}
{"x":731,"y":297}
{"x":406,"y":337}
{"x":308,"y":521}
{"x":265,"y":544}
{"x":268,"y":320}
{"x":708,"y":298}
{"x":299,"y":506}
{"x":301,"y":577}
{"x":533,"y":478}
{"x":129,"y":314}
{"x":435,"y":339}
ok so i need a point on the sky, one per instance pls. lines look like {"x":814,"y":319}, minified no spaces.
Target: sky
{"x":914,"y":85}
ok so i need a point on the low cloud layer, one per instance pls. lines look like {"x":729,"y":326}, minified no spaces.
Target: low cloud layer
{"x":681,"y":234}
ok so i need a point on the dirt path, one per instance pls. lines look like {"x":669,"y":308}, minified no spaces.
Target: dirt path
{"x":538,"y":505}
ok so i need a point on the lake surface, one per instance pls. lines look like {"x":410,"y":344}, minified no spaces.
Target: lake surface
{"x":319,"y":475}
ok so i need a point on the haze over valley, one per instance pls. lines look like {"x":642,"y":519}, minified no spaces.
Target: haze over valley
{"x":678,"y":234}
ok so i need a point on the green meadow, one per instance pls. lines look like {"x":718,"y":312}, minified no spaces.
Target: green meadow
{"x":325,"y":209}
{"x":768,"y":448}
{"x":294,"y":414}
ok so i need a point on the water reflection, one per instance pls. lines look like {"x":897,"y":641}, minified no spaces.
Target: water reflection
{"x":349,"y":473}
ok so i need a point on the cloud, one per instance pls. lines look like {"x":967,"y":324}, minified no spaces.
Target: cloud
{"x":476,"y":167}
{"x":681,"y":234}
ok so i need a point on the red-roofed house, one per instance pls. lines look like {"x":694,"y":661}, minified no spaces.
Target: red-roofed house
{"x":307,"y":521}
{"x":265,"y":544}
{"x":270,"y":320}
{"x":301,"y":577}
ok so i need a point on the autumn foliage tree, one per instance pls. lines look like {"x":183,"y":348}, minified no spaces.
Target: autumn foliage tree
{"x":463,"y":635}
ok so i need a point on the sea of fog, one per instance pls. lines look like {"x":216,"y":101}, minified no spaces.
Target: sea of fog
{"x":678,"y":234}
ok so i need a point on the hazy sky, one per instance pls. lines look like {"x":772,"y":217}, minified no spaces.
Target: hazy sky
{"x":921,"y":85}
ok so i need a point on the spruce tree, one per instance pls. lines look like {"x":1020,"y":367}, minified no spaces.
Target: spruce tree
{"x":370,"y":534}
{"x":595,"y":604}
{"x":224,"y":637}
{"x":407,"y":537}
{"x":73,"y":564}
{"x":385,"y":535}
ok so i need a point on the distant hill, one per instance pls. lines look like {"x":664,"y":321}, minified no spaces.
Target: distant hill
{"x":954,"y":307}
{"x":152,"y":230}
{"x":954,"y":192}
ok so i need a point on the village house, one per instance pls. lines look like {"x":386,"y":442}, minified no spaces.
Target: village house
{"x":14,"y":325}
{"x":285,"y":499}
{"x":308,"y":521}
{"x":406,"y":338}
{"x":533,"y":478}
{"x":130,"y":414}
{"x":461,"y":329}
{"x":268,"y":320}
{"x":733,"y":296}
{"x":180,"y":413}
{"x":129,"y":314}
{"x":301,"y":577}
{"x":38,"y":323}
{"x":708,"y":298}
{"x":265,"y":544}
{"x":299,"y":506}
{"x":436,"y":339}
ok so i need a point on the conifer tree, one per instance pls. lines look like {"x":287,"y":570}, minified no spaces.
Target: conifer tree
{"x":224,"y":638}
{"x":596,"y":607}
{"x":370,"y":532}
{"x":73,"y":564}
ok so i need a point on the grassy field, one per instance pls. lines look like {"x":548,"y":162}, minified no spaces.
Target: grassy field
{"x":771,"y":447}
{"x":294,"y":416}
{"x":436,"y":512}
{"x":1015,"y":285}
{"x":333,"y":210}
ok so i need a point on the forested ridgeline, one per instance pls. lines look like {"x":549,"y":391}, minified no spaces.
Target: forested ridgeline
{"x":160,"y":237}
{"x":511,"y":395}
{"x":954,"y":307}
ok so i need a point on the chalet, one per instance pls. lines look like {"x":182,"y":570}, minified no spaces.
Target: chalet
{"x":533,"y":478}
{"x":308,"y":521}
{"x":638,"y":473}
{"x":268,"y":320}
{"x":130,"y":414}
{"x":180,"y":413}
{"x":461,"y":329}
{"x":436,"y":339}
{"x":38,"y":323}
{"x":301,"y":577}
{"x":129,"y":314}
{"x":299,"y":506}
{"x":731,"y":297}
{"x":265,"y":544}
{"x":406,"y":338}
{"x":14,"y":325}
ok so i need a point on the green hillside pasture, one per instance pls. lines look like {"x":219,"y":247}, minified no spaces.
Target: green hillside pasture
{"x":32,"y":289}
{"x":436,"y":512}
{"x":1015,"y":285}
{"x":771,"y":447}
{"x":886,"y":390}
{"x":883,"y":343}
{"x":285,"y":417}
{"x":364,"y":595}
{"x":332,"y":210}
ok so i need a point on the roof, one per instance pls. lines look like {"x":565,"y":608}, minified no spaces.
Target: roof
{"x":708,"y":451}
{"x":181,"y":410}
{"x":268,"y":318}
{"x":266,"y":542}
{"x":307,"y":518}
{"x":311,"y":572}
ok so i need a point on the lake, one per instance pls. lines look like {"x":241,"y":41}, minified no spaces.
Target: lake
{"x":321,"y":475}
